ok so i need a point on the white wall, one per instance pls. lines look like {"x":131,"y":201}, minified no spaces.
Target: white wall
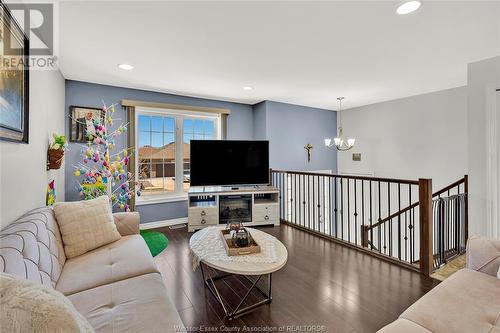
{"x":483,"y":123}
{"x":23,"y":175}
{"x":423,"y":136}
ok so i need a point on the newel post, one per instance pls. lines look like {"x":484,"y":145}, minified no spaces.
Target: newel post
{"x":425,"y":204}
{"x":364,"y":235}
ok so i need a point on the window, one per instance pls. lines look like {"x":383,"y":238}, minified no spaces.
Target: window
{"x":162,"y":165}
{"x":197,"y":129}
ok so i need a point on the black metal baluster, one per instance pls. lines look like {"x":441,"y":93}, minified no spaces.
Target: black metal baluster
{"x":299,"y":202}
{"x":312,"y":206}
{"x":284,"y":181}
{"x":335,"y":210}
{"x":277,"y":183}
{"x":389,"y":213}
{"x":406,"y":236}
{"x":443,"y":229}
{"x":323,"y":205}
{"x":341,"y":209}
{"x":399,"y":221}
{"x":412,"y":231}
{"x":355,"y":214}
{"x":309,"y":201}
{"x":348,"y":212}
{"x":457,"y":222}
{"x":306,"y":200}
{"x":363,"y":222}
{"x":371,"y":215}
{"x":319,"y":205}
{"x":304,"y":215}
{"x":330,"y":210}
{"x":295,"y":198}
{"x":380,"y":219}
{"x":406,"y":228}
{"x":449,"y":211}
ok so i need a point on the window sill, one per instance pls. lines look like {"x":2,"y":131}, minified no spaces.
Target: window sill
{"x":152,"y":200}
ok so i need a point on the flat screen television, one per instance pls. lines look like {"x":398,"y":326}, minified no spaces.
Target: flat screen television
{"x":229,"y":162}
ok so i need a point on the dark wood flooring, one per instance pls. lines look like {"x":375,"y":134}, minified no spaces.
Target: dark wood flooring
{"x":323,"y":283}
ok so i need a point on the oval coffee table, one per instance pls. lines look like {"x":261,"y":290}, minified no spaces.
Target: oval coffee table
{"x":230,"y":267}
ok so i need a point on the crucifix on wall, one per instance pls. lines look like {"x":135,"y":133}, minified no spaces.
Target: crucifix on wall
{"x":309,"y":147}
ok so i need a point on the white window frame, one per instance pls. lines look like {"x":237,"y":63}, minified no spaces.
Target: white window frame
{"x":179,"y":115}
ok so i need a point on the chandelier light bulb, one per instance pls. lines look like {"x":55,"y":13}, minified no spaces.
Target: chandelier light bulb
{"x":339,"y":142}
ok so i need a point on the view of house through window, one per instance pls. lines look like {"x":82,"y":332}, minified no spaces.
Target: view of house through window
{"x":197,"y":129}
{"x":159,"y":169}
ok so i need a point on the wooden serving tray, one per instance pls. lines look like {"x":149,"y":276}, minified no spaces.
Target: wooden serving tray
{"x":233,"y":250}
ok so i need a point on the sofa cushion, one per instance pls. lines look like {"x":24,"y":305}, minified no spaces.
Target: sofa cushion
{"x":85,"y":225}
{"x":125,"y":258}
{"x":30,"y":307}
{"x":139,"y":304}
{"x":31,"y":247}
{"x":468,"y":301}
{"x":483,"y":255}
{"x":403,"y":325}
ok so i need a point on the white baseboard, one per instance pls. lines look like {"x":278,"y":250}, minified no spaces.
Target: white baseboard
{"x":164,"y":223}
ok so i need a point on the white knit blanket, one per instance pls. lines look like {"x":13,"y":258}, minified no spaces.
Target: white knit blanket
{"x":208,"y":246}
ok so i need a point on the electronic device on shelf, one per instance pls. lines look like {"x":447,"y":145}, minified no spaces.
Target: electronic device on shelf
{"x":229,"y":163}
{"x":230,"y":182}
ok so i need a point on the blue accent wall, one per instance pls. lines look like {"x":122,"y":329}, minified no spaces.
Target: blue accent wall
{"x":288,"y":128}
{"x":260,"y":121}
{"x":239,"y":126}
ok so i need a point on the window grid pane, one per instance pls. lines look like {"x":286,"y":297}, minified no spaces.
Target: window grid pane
{"x":194,"y":129}
{"x":156,"y":154}
{"x":157,"y":139}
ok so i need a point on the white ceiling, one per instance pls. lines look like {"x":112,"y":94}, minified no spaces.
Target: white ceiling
{"x":305,"y":53}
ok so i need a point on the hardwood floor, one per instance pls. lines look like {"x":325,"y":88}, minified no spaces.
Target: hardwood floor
{"x":323,"y":283}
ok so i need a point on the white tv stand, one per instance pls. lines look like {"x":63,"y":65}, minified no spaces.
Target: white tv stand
{"x":212,"y":205}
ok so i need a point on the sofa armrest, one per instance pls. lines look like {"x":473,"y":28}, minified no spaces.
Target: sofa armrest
{"x":127,"y":223}
{"x":483,"y":255}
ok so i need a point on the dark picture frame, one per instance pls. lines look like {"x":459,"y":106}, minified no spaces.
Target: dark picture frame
{"x":78,"y":124}
{"x":14,"y":83}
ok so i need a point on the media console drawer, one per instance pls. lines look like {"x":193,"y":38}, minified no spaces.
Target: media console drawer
{"x":265,"y":213}
{"x":204,"y":211}
{"x":210,"y":206}
{"x":204,"y":220}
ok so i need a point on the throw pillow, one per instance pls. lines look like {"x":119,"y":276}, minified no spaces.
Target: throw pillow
{"x":29,"y":307}
{"x":85,"y":225}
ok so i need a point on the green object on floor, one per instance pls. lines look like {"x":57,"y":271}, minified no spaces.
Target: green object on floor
{"x":156,"y":241}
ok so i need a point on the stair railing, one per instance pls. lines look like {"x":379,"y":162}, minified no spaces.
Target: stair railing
{"x":388,"y":218}
{"x":443,"y":234}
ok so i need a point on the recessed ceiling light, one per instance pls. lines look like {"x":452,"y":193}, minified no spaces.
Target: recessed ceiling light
{"x":126,"y":67}
{"x":247,"y":88}
{"x":408,"y":7}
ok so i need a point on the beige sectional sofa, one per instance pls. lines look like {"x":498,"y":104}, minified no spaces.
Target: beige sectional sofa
{"x":468,"y":301}
{"x":117,"y":287}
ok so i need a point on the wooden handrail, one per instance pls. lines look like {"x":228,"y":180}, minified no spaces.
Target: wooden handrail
{"x":414,"y":205}
{"x":394,"y":215}
{"x":388,"y":180}
{"x":449,"y":187}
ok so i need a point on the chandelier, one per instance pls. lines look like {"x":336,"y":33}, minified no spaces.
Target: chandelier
{"x":339,"y":141}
